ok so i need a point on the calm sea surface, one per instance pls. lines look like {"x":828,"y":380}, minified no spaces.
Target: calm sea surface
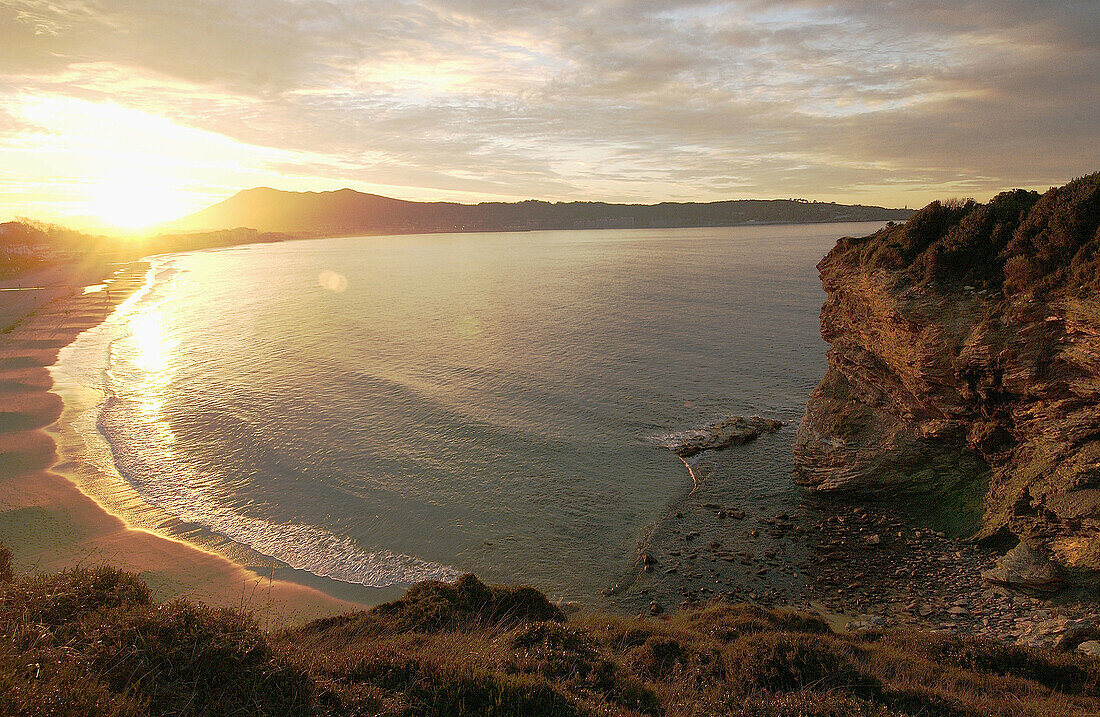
{"x":383,"y":410}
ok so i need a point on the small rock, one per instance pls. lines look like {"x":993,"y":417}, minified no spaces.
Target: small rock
{"x":1075,"y":632}
{"x":1091,"y":648}
{"x":655,"y":608}
{"x":874,"y":539}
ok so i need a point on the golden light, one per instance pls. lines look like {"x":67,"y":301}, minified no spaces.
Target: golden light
{"x":135,"y":205}
{"x":128,"y":168}
{"x":151,"y":351}
{"x":152,"y":348}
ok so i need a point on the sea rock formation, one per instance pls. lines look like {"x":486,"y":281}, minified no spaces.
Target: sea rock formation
{"x":964,"y":360}
{"x":734,"y":430}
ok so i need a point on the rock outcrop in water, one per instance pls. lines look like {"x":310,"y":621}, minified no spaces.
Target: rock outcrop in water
{"x":734,"y":430}
{"x":965,"y":360}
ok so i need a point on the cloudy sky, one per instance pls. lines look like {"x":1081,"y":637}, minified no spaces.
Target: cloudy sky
{"x":135,"y":111}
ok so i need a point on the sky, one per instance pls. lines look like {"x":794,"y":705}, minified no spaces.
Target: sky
{"x":131,"y":112}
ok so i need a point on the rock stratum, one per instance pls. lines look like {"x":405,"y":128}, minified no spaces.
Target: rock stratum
{"x":964,"y":364}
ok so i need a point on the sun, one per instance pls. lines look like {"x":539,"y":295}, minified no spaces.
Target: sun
{"x":131,"y":204}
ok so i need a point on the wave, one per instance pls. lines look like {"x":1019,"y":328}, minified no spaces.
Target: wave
{"x":121,"y":360}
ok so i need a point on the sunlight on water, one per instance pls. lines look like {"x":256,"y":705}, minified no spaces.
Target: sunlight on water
{"x":143,"y":368}
{"x":153,"y":349}
{"x":453,"y":403}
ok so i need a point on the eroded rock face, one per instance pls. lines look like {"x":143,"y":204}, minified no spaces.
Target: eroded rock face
{"x":964,"y":350}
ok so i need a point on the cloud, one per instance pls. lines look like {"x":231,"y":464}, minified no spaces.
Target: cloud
{"x":840,"y":99}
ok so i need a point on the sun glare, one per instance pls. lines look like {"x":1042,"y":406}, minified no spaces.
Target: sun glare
{"x":133,"y":205}
{"x":128,"y":168}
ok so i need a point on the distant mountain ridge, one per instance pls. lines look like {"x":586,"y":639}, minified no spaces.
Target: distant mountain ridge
{"x":345,"y":212}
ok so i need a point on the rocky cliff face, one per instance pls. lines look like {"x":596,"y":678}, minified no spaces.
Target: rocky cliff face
{"x":964,"y":361}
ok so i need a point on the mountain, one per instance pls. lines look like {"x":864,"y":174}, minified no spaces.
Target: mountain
{"x":964,"y":364}
{"x":347,"y":212}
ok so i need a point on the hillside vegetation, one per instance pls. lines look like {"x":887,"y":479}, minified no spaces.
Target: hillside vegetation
{"x":92,"y":641}
{"x":27,"y":245}
{"x":1019,"y":241}
{"x":347,"y":212}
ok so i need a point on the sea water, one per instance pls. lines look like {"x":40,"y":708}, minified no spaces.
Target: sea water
{"x":378,"y":411}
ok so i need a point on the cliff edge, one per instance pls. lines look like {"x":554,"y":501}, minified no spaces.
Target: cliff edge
{"x":964,"y":364}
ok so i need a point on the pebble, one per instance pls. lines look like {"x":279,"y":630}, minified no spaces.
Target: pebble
{"x":920,"y":578}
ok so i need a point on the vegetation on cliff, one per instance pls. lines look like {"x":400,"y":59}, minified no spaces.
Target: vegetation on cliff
{"x":1019,"y":241}
{"x":92,"y":641}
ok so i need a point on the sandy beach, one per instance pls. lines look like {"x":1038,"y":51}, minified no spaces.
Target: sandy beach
{"x":45,"y":519}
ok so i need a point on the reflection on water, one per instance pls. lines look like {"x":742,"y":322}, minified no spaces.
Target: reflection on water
{"x":149,"y":353}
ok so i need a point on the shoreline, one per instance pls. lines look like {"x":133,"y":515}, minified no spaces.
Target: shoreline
{"x":48,"y":522}
{"x":857,"y":566}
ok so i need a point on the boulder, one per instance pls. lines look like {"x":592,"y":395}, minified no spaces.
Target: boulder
{"x":1025,"y":568}
{"x":734,"y":430}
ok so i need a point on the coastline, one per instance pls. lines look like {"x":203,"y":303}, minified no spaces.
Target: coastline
{"x":858,"y":567}
{"x":47,"y":521}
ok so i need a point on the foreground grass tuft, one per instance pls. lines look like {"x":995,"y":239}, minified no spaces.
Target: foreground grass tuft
{"x":92,"y":642}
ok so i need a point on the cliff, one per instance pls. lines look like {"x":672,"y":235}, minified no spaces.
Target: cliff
{"x":347,"y":212}
{"x":964,"y":364}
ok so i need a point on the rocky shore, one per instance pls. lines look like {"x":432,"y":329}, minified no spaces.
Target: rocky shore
{"x":891,"y":574}
{"x":860,"y":567}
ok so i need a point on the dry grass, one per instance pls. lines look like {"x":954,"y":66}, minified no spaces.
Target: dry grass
{"x":89,"y":642}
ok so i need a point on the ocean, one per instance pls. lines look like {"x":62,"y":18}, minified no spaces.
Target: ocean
{"x":365,"y":413}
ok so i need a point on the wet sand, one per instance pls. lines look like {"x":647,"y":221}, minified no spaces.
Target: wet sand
{"x":45,"y":519}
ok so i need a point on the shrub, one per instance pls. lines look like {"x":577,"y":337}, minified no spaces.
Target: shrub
{"x":179,"y":655}
{"x":784,"y":662}
{"x":489,"y":696}
{"x":63,"y":598}
{"x":433,"y":606}
{"x":91,"y":642}
{"x":728,"y":622}
{"x":34,"y":683}
{"x":6,"y":572}
{"x":1019,"y":241}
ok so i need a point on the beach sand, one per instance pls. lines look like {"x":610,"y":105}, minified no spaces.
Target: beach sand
{"x":45,"y":519}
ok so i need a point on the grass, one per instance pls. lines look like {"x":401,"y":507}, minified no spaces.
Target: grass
{"x":92,"y":641}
